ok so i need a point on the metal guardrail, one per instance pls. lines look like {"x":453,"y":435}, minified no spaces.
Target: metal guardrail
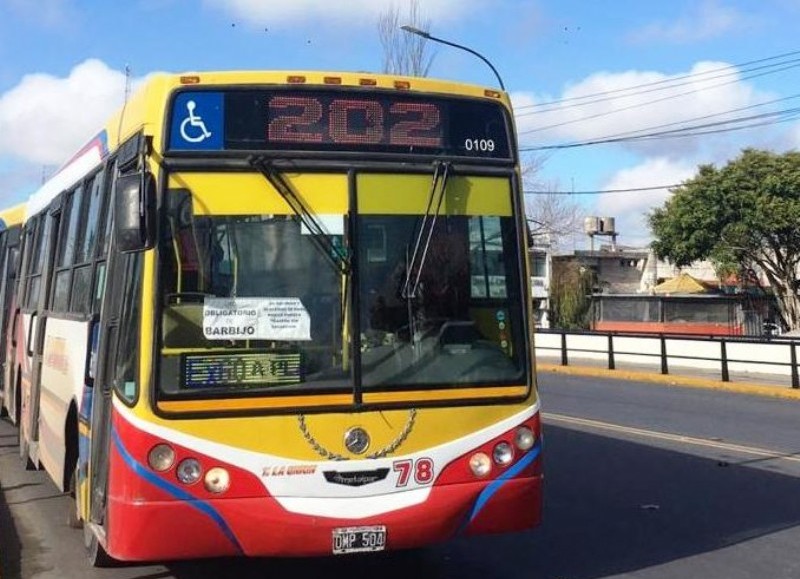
{"x":723,"y":359}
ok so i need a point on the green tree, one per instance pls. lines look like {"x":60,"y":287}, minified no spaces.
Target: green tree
{"x":743,"y":214}
{"x":570,"y":296}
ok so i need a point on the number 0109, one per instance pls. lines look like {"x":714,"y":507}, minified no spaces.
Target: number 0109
{"x":479,"y":145}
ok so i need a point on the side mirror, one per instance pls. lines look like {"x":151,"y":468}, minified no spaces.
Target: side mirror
{"x":134,"y":212}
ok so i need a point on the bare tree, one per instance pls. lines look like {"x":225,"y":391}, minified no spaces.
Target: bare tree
{"x":404,"y":53}
{"x":550,"y":215}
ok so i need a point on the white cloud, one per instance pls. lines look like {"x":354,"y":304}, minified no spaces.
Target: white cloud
{"x":612,"y":107}
{"x":262,"y":13}
{"x":794,"y":137}
{"x":706,"y":20}
{"x":45,"y":119}
{"x":631,"y":208}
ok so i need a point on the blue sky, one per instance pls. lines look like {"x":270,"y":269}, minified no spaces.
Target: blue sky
{"x":63,"y":65}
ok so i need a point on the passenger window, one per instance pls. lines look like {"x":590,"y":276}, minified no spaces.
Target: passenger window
{"x":94,"y":202}
{"x":61,"y":291}
{"x":81,"y":289}
{"x":42,"y":241}
{"x":104,"y":231}
{"x":71,"y":218}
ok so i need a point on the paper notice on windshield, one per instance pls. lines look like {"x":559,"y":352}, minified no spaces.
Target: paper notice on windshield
{"x":281,"y":319}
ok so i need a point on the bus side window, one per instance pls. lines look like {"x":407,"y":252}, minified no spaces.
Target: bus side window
{"x":125,"y":371}
{"x":103,"y":236}
{"x":44,"y":230}
{"x":81,"y":300}
{"x":69,"y":233}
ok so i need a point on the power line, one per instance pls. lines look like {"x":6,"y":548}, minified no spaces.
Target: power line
{"x":690,"y":131}
{"x":737,"y":68}
{"x":602,"y":191}
{"x":700,"y":118}
{"x":654,"y":101}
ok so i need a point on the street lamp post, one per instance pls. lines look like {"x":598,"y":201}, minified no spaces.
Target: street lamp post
{"x":428,"y":36}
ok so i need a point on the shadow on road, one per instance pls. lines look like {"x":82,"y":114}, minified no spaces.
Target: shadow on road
{"x":611,"y":507}
{"x":615,"y":507}
{"x":10,"y":546}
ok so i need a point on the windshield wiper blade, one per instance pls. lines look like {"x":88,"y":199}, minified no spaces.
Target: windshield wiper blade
{"x":319,"y":236}
{"x":441,"y":173}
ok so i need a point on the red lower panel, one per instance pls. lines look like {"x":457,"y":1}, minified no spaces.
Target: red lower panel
{"x":180,"y":529}
{"x":515,"y":507}
{"x":153,"y":517}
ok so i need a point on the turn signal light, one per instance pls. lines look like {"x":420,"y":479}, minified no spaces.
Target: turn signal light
{"x":217,"y":480}
{"x":480,"y":464}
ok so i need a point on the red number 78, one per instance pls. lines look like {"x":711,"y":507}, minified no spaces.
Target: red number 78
{"x":422,"y":469}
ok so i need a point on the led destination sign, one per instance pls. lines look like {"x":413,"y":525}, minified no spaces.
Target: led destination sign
{"x":241,"y":369}
{"x":338,"y":121}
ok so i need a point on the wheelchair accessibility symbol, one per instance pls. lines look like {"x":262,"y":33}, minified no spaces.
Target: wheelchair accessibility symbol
{"x":193,"y":129}
{"x":198,"y":121}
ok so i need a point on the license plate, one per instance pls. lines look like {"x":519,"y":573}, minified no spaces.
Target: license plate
{"x":359,"y":539}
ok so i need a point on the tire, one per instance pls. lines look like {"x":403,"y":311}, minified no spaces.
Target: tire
{"x":24,"y":454}
{"x":74,"y":520}
{"x":94,"y":550}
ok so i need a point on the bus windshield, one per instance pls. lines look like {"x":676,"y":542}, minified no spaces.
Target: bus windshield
{"x":459,"y":320}
{"x":253,"y":304}
{"x":223,"y":275}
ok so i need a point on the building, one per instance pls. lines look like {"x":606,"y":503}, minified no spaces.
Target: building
{"x":540,"y":261}
{"x":614,"y":270}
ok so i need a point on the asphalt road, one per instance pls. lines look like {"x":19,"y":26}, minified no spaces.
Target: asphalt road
{"x":643,"y":481}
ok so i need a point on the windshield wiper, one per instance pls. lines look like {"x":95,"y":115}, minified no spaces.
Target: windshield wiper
{"x":422,"y":242}
{"x":319,"y":236}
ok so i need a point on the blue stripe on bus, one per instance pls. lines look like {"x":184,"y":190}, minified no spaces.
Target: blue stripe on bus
{"x":495,"y":485}
{"x":176,"y":491}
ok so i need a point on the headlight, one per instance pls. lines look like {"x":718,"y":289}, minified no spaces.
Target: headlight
{"x":217,"y":480}
{"x":189,"y":471}
{"x":503,"y":453}
{"x":161,"y":457}
{"x":480,"y":463}
{"x":524,"y":438}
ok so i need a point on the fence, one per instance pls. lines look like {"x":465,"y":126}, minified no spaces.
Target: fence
{"x":721,"y":355}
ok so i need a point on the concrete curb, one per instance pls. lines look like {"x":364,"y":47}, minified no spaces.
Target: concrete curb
{"x":753,"y":389}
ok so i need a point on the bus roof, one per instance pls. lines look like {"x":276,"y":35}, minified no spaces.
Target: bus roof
{"x":12,"y":216}
{"x":319,"y":78}
{"x":145,"y":110}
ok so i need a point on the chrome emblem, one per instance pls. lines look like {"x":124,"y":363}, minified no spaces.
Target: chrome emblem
{"x":356,"y":440}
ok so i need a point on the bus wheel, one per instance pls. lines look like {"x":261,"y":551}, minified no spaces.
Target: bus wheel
{"x":94,"y":550}
{"x":24,"y":454}
{"x":74,"y":520}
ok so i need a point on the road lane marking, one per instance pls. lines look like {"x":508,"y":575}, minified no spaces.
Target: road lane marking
{"x":752,"y":450}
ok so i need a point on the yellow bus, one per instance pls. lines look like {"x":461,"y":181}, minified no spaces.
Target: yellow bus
{"x":10,"y":226}
{"x":271,"y":313}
